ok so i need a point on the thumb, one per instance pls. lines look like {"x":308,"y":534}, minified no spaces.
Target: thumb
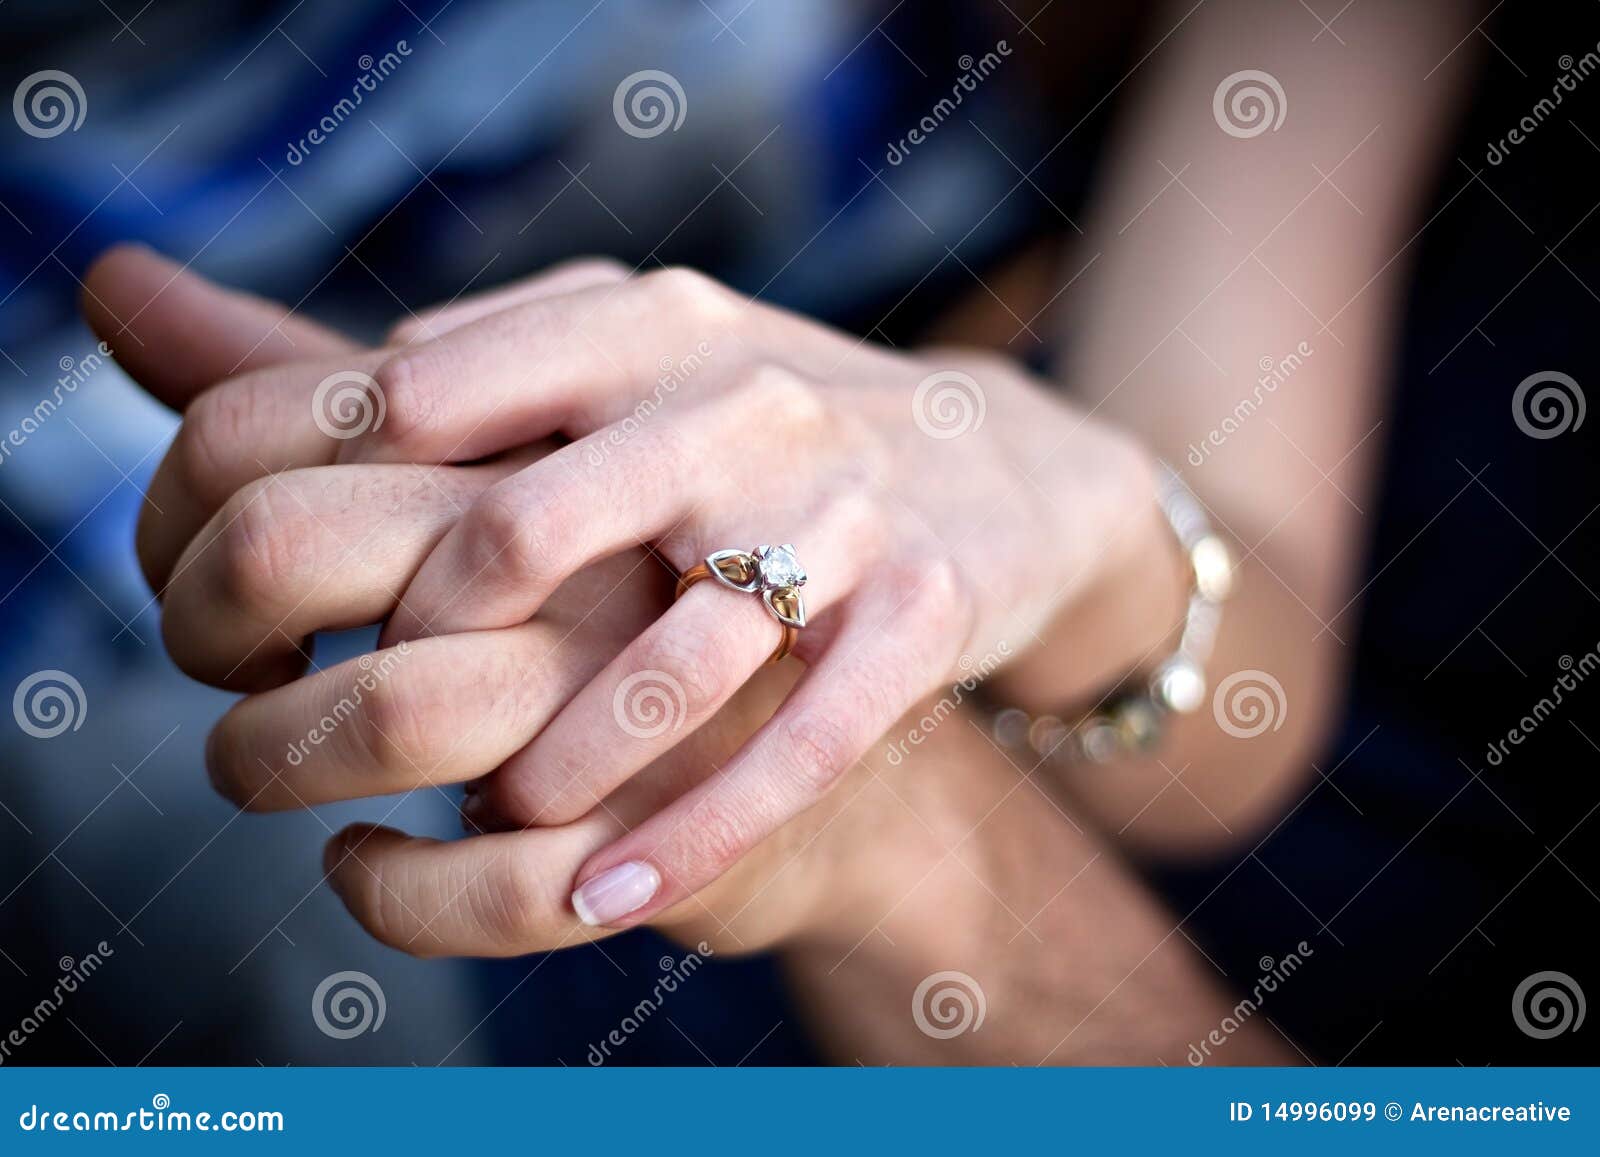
{"x":176,"y":333}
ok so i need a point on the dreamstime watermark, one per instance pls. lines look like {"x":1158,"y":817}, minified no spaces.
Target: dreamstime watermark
{"x":73,"y":974}
{"x":49,"y":103}
{"x":649,"y":704}
{"x":1548,"y":404}
{"x":373,"y":671}
{"x":976,"y":671}
{"x":1548,"y":1004}
{"x":1274,"y":373}
{"x":973,"y":73}
{"x":1249,"y":703}
{"x":1576,"y":672}
{"x":673,"y":973}
{"x":348,"y":404}
{"x":49,"y":703}
{"x":1274,"y":973}
{"x":648,"y":103}
{"x":74,"y":372}
{"x":948,"y":1004}
{"x":673,"y":373}
{"x":160,"y":1117}
{"x":347,"y":1004}
{"x":1248,"y":103}
{"x":373,"y":73}
{"x":1573,"y":72}
{"x":948,"y":404}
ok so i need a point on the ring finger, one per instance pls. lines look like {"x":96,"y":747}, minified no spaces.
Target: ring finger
{"x":677,"y":674}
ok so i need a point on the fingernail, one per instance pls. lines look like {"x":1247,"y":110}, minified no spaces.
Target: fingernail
{"x":615,"y":892}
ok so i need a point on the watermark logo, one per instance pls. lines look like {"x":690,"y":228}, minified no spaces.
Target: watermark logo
{"x":1274,"y":974}
{"x":1573,"y":73}
{"x":1248,"y":103}
{"x":648,"y":103}
{"x":1547,"y":404}
{"x":74,"y":974}
{"x":347,"y":404}
{"x":673,"y":974}
{"x":974,"y":672}
{"x":948,"y":404}
{"x":49,"y":703}
{"x":1274,"y":373}
{"x":373,"y":73}
{"x":373,"y":671}
{"x":673,"y":373}
{"x":947,"y":1004}
{"x":1249,"y":703}
{"x":973,"y":73}
{"x":1574,"y":672}
{"x":649,"y":704}
{"x":1548,"y":1004}
{"x":74,"y":373}
{"x":348,"y":1004}
{"x":49,"y":103}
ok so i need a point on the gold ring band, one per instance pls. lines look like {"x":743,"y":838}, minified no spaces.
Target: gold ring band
{"x":772,"y":572}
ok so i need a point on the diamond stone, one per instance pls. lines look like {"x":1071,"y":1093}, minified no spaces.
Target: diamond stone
{"x":780,"y":568}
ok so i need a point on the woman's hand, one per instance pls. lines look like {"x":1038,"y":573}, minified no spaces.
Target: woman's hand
{"x":700,"y":421}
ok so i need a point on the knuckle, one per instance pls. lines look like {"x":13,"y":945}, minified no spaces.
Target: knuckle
{"x":513,"y":534}
{"x":388,"y":917}
{"x":944,"y":600}
{"x":411,"y":330}
{"x":541,"y":798}
{"x":392,"y":724}
{"x":717,"y":839}
{"x":821,"y":750}
{"x":691,"y":293}
{"x":262,"y":549}
{"x":592,"y":268}
{"x":777,"y":393}
{"x":858,"y":520}
{"x":209,"y":441}
{"x":505,"y":903}
{"x":409,"y":385}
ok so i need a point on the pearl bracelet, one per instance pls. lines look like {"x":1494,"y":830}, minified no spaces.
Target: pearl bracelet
{"x":1133,"y":720}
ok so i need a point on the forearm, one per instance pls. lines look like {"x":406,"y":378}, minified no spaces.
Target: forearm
{"x":1236,"y":322}
{"x":965,"y":869}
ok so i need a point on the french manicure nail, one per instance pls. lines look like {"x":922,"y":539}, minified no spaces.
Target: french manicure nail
{"x":616,"y":892}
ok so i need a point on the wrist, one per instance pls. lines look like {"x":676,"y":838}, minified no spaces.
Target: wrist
{"x":1124,"y":596}
{"x":1131,"y":716}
